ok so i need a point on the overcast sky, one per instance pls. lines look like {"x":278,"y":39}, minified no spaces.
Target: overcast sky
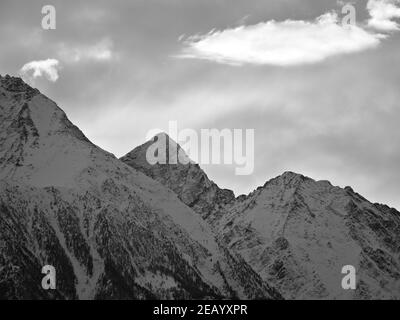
{"x":323,"y":99}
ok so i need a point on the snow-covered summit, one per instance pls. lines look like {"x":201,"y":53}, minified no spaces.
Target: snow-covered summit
{"x":188,"y":181}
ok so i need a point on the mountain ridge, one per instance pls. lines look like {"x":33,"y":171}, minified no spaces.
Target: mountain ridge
{"x":131,"y":158}
{"x":110,"y":231}
{"x":125,"y":229}
{"x":279,"y":230}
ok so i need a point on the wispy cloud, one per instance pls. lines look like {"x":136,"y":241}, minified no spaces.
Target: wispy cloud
{"x":101,"y":51}
{"x":282,"y":43}
{"x":382,"y":13}
{"x":35,"y":69}
{"x":294,"y":42}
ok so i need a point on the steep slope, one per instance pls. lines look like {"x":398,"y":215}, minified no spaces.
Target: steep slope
{"x":188,"y":181}
{"x":298,"y":233}
{"x":110,"y":231}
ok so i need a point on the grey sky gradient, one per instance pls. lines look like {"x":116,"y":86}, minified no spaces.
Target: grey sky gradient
{"x":336,"y":120}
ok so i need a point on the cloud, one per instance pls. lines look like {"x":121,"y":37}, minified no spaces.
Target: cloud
{"x":101,"y":51}
{"x":35,"y":69}
{"x":382,"y":12}
{"x":284,"y":43}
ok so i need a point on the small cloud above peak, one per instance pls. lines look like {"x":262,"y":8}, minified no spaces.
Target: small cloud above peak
{"x":42,"y":68}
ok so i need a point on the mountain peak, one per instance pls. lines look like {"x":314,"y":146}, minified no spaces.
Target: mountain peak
{"x":188,"y":181}
{"x":292,"y":175}
{"x":30,"y":123}
{"x":163,"y":135}
{"x":17,"y":85}
{"x":288,"y":178}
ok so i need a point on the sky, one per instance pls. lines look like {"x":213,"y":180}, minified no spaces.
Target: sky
{"x":322,"y":97}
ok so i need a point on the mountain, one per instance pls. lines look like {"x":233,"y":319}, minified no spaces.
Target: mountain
{"x":188,"y":181}
{"x":110,"y":231}
{"x":297,"y":233}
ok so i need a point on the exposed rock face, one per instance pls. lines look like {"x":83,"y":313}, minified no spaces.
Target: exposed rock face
{"x":297,"y":233}
{"x":110,"y":231}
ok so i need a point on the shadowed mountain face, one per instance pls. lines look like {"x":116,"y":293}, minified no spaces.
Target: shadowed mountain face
{"x":296,"y":233}
{"x":110,"y":231}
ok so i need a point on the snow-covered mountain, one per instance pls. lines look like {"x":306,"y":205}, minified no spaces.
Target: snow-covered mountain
{"x":296,"y":233}
{"x":110,"y":231}
{"x":188,"y":181}
{"x":127,"y":229}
